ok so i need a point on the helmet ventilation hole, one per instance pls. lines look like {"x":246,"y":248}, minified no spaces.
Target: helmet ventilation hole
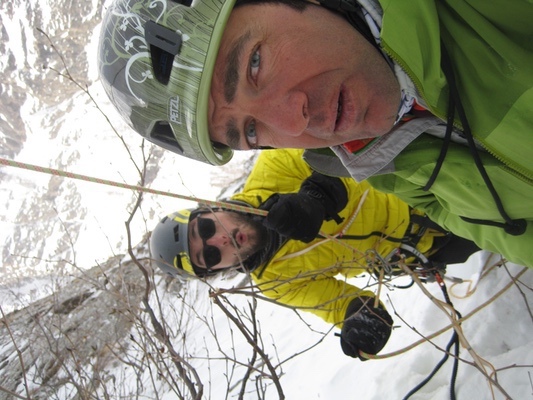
{"x":163,"y":135}
{"x":164,"y":45}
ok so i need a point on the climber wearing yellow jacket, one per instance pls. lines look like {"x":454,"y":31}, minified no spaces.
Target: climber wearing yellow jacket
{"x":317,"y":228}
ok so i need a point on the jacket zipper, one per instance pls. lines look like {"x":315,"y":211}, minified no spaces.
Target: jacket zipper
{"x":508,"y":164}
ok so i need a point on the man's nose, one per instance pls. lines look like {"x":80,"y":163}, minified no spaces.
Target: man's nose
{"x":285,"y":113}
{"x":219,"y":240}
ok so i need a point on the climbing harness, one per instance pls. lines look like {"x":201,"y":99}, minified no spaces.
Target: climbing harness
{"x":389,"y":267}
{"x":427,"y":272}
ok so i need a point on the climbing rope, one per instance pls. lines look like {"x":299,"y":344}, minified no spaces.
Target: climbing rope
{"x":454,"y":341}
{"x":65,"y":174}
{"x":473,"y":312}
{"x":208,"y":203}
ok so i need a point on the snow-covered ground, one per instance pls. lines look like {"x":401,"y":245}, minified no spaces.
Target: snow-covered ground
{"x":48,"y":224}
{"x":496,"y":333}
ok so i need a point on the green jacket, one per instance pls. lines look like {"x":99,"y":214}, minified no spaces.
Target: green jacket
{"x":306,"y":275}
{"x":490,"y":44}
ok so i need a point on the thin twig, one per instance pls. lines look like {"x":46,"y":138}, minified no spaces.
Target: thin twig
{"x":19,"y":353}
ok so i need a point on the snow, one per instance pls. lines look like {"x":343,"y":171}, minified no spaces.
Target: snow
{"x":500,"y":334}
{"x":73,"y":135}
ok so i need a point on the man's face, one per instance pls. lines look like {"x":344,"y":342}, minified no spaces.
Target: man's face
{"x":236,"y":236}
{"x":290,"y":79}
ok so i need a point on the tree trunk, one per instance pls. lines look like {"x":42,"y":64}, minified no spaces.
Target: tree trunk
{"x":63,"y":342}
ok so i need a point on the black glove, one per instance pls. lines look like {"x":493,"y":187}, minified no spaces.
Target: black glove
{"x":300,"y":215}
{"x":294,"y":215}
{"x":365,"y":328}
{"x":329,"y":191}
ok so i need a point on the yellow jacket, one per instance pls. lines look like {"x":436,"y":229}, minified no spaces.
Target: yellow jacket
{"x":305,"y":275}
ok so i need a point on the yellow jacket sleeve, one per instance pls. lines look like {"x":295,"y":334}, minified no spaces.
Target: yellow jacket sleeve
{"x":306,"y":275}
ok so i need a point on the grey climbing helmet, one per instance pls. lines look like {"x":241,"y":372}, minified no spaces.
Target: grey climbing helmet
{"x":156,"y":61}
{"x":169,"y":244}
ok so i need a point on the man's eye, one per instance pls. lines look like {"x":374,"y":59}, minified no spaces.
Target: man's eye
{"x":251,"y":134}
{"x":255,"y":61}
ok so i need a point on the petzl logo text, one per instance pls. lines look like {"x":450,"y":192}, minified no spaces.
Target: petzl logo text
{"x":174,"y":110}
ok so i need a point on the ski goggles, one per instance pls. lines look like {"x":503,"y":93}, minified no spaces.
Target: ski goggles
{"x":206,"y":230}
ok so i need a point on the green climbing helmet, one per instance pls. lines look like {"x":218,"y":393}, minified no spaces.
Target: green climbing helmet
{"x":156,"y":61}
